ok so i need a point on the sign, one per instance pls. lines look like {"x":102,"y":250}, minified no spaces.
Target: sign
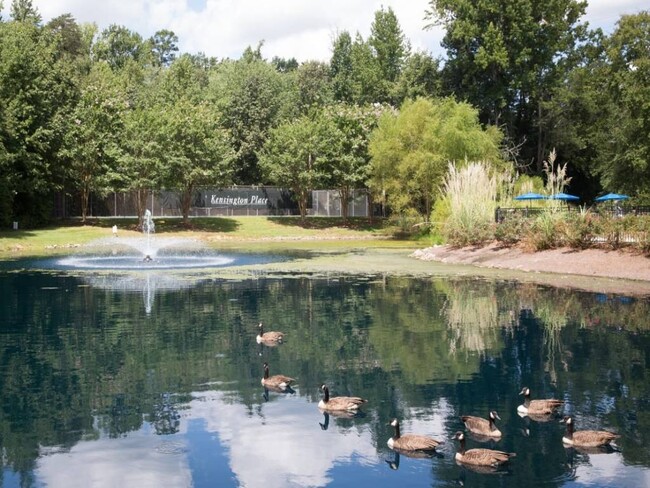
{"x":262,"y":198}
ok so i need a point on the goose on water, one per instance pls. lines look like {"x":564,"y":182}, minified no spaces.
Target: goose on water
{"x":480,"y":457}
{"x":277,"y":381}
{"x":339,"y":402}
{"x":586,"y":438}
{"x":537,"y":407}
{"x":271,"y":337}
{"x":411,"y":442}
{"x":481,"y":426}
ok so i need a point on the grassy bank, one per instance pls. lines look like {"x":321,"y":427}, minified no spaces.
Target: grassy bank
{"x":221,"y":232}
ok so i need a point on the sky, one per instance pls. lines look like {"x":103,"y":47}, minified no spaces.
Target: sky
{"x":301,"y":29}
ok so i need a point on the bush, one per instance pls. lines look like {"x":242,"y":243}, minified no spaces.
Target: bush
{"x":581,"y":229}
{"x":545,"y":232}
{"x":511,"y":230}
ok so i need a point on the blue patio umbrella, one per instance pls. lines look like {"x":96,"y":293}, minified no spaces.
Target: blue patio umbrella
{"x":530,"y":196}
{"x":564,"y":196}
{"x":612,"y":196}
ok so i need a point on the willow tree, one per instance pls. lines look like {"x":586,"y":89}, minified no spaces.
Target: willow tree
{"x":411,"y":150}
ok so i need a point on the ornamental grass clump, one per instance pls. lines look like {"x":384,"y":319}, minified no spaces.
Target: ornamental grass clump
{"x":471,"y":192}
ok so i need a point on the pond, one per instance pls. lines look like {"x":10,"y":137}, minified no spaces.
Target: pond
{"x":146,"y":380}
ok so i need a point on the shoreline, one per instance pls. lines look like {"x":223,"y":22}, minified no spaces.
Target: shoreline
{"x":599,"y":263}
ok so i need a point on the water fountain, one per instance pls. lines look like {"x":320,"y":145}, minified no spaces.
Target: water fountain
{"x":147,"y":252}
{"x":144,"y":264}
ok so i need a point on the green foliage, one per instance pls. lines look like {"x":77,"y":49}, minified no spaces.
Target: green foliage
{"x":297,"y":154}
{"x":420,"y":77}
{"x":389,"y":44}
{"x":36,"y":89}
{"x":93,"y":134}
{"x":411,"y":150}
{"x":471,"y":191}
{"x":511,"y":230}
{"x":117,"y":45}
{"x":252,"y":98}
{"x":24,"y":11}
{"x":164,"y":46}
{"x":313,"y":86}
{"x":624,"y":162}
{"x":349,"y":168}
{"x":581,"y":229}
{"x":505,"y":57}
{"x":197,"y":150}
{"x":545,"y":231}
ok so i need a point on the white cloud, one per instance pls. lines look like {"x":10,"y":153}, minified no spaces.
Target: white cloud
{"x":290,"y":28}
{"x":282,"y":444}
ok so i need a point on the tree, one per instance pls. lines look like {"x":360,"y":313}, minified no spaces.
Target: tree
{"x":117,"y":45}
{"x":283,"y":65}
{"x":140,"y":154}
{"x":24,"y":11}
{"x":164,"y":45}
{"x":389,"y":44}
{"x":349,"y":168}
{"x":252,"y":98}
{"x":341,"y":67}
{"x":36,"y":91}
{"x":197,"y":150}
{"x":313,"y":85}
{"x":93,"y":134}
{"x":68,"y":35}
{"x":420,"y":77}
{"x":411,"y":150}
{"x":506,"y":56}
{"x":297,"y":154}
{"x":367,"y":84}
{"x":624,"y":164}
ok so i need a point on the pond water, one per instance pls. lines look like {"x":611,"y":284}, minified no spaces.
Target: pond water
{"x":149,"y":381}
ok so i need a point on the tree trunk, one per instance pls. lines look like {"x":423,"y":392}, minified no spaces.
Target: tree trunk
{"x":302,"y":204}
{"x":344,"y":193}
{"x":140,"y":205}
{"x":541,"y":144}
{"x":85,"y":196}
{"x":186,"y":203}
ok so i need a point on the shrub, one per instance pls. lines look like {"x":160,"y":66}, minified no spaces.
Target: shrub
{"x":511,"y":230}
{"x":545,"y":232}
{"x":581,"y":229}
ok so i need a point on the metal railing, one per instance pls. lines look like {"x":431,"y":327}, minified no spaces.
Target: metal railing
{"x":501,"y":214}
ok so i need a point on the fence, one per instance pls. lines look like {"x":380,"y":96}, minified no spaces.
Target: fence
{"x":327,"y":203}
{"x":216,"y":202}
{"x":501,"y":214}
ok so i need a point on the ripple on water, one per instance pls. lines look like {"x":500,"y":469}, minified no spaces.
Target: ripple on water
{"x":171,"y":447}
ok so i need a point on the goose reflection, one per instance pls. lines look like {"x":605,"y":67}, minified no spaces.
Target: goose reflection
{"x":342,"y":414}
{"x":283,"y":391}
{"x":394,"y":463}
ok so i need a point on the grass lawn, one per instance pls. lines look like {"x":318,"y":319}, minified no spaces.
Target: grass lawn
{"x":220,"y":232}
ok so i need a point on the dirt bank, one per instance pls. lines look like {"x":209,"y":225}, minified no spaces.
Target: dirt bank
{"x":590,"y":262}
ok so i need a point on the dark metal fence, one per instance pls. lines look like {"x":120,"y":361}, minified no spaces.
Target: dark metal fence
{"x":502,"y":214}
{"x":216,"y":202}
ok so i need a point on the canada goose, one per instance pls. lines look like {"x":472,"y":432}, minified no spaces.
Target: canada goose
{"x":537,"y":407}
{"x":411,"y":442}
{"x":585,"y":438}
{"x":340,"y":402}
{"x":480,"y":457}
{"x":481,"y":426}
{"x":271,"y":337}
{"x":277,"y":381}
